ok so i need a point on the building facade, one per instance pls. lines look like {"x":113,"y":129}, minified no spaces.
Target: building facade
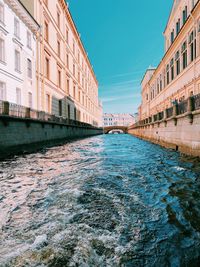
{"x":178,"y":75}
{"x":18,"y":53}
{"x":111,"y":119}
{"x":66,"y":80}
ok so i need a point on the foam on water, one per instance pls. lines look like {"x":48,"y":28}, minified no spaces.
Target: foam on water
{"x":102,"y":201}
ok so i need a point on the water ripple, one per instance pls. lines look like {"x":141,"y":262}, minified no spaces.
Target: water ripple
{"x":103,"y":201}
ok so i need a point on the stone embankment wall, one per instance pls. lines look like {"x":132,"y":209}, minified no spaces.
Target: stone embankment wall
{"x":181,"y":133}
{"x":19,"y":134}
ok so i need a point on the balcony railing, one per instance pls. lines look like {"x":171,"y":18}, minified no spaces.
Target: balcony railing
{"x":169,"y":112}
{"x":196,"y":102}
{"x":182,"y":107}
{"x":14,"y":110}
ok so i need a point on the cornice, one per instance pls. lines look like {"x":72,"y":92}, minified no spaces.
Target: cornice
{"x":76,"y":33}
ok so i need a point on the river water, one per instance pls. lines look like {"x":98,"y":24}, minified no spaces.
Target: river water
{"x":110,"y":200}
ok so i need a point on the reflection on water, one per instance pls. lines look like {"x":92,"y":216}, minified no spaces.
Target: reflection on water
{"x":103,"y":201}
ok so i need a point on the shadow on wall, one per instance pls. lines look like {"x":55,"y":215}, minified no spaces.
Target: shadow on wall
{"x":65,"y":108}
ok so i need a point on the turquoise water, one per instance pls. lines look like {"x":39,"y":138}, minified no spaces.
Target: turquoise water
{"x":111,"y":200}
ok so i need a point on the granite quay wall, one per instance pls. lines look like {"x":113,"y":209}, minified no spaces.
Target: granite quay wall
{"x":177,"y":128}
{"x":23,"y":129}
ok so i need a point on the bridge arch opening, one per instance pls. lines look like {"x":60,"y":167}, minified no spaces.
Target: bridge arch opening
{"x":116,"y":131}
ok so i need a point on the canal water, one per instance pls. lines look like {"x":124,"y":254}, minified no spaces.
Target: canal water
{"x":110,"y":200}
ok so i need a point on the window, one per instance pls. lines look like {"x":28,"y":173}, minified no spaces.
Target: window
{"x":16,"y":28}
{"x":185,"y":15}
{"x":67,"y":61}
{"x":68,"y":109}
{"x":28,"y":39}
{"x":79,"y":96}
{"x":29,"y":68}
{"x":17,"y":61}
{"x":58,"y":46}
{"x":74,"y":91}
{"x":46,"y":31}
{"x":58,"y":18}
{"x":177,"y":59}
{"x":75,"y":114}
{"x":68,"y":86}
{"x":59,"y":78}
{"x":48,"y":103}
{"x":1,"y":13}
{"x":2,"y":91}
{"x":192,"y":43}
{"x":178,"y":27}
{"x":73,"y":47}
{"x":74,"y":70}
{"x":67,"y":35}
{"x":161,"y":83}
{"x":184,"y":55}
{"x":30,"y":100}
{"x":60,"y":107}
{"x":18,"y":96}
{"x":172,"y":36}
{"x":47,"y":67}
{"x":167,"y":70}
{"x":172,"y":69}
{"x":2,"y":50}
{"x":79,"y":76}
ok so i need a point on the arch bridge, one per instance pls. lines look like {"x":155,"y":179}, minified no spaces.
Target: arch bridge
{"x":117,"y":129}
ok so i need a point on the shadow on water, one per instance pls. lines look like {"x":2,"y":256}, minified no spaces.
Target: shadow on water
{"x":104,"y":201}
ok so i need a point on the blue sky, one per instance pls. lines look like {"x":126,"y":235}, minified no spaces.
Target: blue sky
{"x":123,"y":38}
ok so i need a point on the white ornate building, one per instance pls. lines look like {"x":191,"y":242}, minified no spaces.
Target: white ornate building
{"x":18,"y":53}
{"x":111,"y":119}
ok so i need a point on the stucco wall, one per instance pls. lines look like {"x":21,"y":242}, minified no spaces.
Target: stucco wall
{"x":183,"y":135}
{"x":26,"y":134}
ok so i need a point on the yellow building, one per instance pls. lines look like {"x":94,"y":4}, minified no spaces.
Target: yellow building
{"x":67,"y":85}
{"x":178,"y":75}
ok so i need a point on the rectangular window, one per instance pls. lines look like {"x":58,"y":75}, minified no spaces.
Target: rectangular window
{"x":29,"y":68}
{"x":178,"y":26}
{"x":74,"y":70}
{"x":58,"y":19}
{"x":46,"y":31}
{"x":167,"y":74}
{"x":184,"y":55}
{"x":59,"y":78}
{"x":18,"y":96}
{"x":67,"y":61}
{"x":2,"y":91}
{"x":68,"y":109}
{"x":73,"y":47}
{"x":58,"y":45}
{"x":2,"y":50}
{"x":1,"y":13}
{"x":67,"y":36}
{"x":48,"y":103}
{"x":16,"y":28}
{"x":74,"y":91}
{"x":172,"y":69}
{"x":177,"y":58}
{"x":47,"y":67}
{"x":185,"y":15}
{"x":172,"y":36}
{"x":30,"y":100}
{"x":17,"y":61}
{"x":28,"y":39}
{"x":60,"y":107}
{"x":68,"y":86}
